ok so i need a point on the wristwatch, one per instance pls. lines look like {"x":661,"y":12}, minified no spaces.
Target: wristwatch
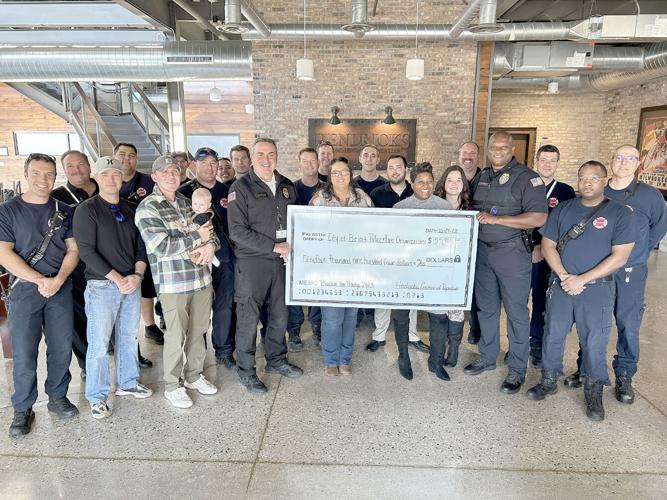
{"x":141,"y":276}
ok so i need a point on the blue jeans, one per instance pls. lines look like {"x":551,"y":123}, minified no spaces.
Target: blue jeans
{"x":107,"y":308}
{"x":338,"y":329}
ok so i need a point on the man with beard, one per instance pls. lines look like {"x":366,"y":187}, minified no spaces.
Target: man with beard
{"x":386,"y":196}
{"x":325,"y":156}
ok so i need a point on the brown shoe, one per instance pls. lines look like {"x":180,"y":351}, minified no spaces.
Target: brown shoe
{"x":331,"y":371}
{"x":345,"y":369}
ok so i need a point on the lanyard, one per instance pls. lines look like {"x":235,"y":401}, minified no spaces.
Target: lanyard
{"x":77,"y":200}
{"x":551,"y":189}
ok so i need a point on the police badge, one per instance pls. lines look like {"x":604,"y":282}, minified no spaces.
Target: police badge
{"x":286,"y":193}
{"x":504,"y":178}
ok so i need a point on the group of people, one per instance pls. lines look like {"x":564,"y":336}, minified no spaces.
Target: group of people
{"x":90,"y":258}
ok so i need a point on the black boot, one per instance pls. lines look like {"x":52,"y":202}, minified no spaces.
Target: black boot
{"x":593,"y":397}
{"x":435,"y":358}
{"x":574,"y":381}
{"x":143,"y":362}
{"x":548,"y":385}
{"x":401,"y":333}
{"x":455,"y":336}
{"x":623,"y":390}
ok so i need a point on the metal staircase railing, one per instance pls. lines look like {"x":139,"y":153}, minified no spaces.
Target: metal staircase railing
{"x":133,"y":100}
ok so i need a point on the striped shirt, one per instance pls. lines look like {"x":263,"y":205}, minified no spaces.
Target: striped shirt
{"x":163,"y":227}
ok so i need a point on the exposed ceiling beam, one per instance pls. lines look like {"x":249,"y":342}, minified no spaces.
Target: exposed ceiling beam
{"x":204,"y":22}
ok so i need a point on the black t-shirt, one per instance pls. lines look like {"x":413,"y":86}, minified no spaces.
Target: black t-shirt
{"x":385,"y":197}
{"x":25,"y":225}
{"x":368,"y":186}
{"x":104,"y":242}
{"x":305,"y":193}
{"x":557,"y":192}
{"x":612,"y":225}
{"x":322,"y":177}
{"x":137,"y":188}
{"x":73,"y":195}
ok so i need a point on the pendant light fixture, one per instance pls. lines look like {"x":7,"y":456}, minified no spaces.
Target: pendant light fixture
{"x":215,"y":95}
{"x":414,"y":68}
{"x":305,"y":69}
{"x":389,"y":119}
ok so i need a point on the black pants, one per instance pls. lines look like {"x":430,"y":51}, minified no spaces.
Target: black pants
{"x":502,"y":275}
{"x":224,"y":317}
{"x":259,"y":283}
{"x":30,"y":314}
{"x":79,"y":336}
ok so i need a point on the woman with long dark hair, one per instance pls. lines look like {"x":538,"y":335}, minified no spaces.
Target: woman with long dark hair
{"x":339,"y":323}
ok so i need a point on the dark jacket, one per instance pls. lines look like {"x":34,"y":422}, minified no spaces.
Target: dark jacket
{"x":256,"y":216}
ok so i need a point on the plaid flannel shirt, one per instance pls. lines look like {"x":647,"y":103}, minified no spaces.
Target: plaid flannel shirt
{"x":168,"y":244}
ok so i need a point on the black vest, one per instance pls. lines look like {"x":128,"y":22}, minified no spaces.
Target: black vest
{"x":493,"y":194}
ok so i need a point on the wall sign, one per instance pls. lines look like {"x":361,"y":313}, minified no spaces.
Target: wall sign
{"x":348,"y":138}
{"x":652,"y":146}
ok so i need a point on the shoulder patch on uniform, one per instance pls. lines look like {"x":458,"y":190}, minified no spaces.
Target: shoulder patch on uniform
{"x":536,"y":181}
{"x":231,"y":196}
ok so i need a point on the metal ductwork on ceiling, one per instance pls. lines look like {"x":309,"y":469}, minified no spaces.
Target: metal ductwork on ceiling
{"x":253,"y":17}
{"x":203,"y":22}
{"x":167,"y":62}
{"x":233,"y":21}
{"x":359,"y":25}
{"x":654,"y":63}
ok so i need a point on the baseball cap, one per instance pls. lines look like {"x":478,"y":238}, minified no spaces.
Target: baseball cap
{"x":162,"y":162}
{"x":106,"y":163}
{"x":204,"y":152}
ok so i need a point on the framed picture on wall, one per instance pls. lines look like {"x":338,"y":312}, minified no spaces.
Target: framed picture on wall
{"x":652,"y":146}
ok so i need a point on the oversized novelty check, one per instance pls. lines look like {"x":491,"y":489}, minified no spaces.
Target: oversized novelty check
{"x":381,"y":257}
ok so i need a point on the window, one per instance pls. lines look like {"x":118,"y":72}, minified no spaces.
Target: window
{"x":221,"y":143}
{"x":50,"y":143}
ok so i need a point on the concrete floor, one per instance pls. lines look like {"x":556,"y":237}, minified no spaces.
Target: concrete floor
{"x":371,"y":435}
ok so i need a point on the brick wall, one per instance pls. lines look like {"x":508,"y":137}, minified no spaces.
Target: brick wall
{"x":361,"y":78}
{"x":620,"y":122}
{"x":573,"y":122}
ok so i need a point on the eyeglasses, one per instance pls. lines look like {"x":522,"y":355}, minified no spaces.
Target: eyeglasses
{"x":340,"y":173}
{"x":117,"y":213}
{"x":620,"y":158}
{"x":40,"y":157}
{"x":594,"y":179}
{"x":204,"y":152}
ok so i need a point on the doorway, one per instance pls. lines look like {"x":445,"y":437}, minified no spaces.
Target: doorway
{"x":524,"y":143}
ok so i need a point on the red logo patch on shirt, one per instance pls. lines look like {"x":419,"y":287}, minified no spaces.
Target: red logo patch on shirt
{"x":223,"y":202}
{"x":553,"y":201}
{"x":600,"y":223}
{"x":141,"y":192}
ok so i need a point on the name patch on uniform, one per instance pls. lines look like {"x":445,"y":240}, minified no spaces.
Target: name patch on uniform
{"x":553,"y":201}
{"x":504,"y":178}
{"x":536,"y":181}
{"x":286,"y":193}
{"x":600,"y":223}
{"x":231,"y":197}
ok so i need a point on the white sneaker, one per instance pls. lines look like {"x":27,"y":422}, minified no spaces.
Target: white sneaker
{"x":202,"y":386}
{"x":139,"y":392}
{"x":100,"y":410}
{"x":179,"y":398}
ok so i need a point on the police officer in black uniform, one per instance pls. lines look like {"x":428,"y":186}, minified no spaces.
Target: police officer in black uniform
{"x":547,"y":159}
{"x":650,"y":217}
{"x":223,"y":325}
{"x":257,"y":214}
{"x":584,"y":241}
{"x":511,"y":200}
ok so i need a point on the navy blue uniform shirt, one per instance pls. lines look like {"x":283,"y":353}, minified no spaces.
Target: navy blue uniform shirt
{"x":648,"y":207}
{"x":219,"y":193}
{"x":385,"y":197}
{"x":305,"y":193}
{"x":557,"y":192}
{"x":368,"y":186}
{"x":137,"y":188}
{"x":25,"y":225}
{"x":612,"y":225}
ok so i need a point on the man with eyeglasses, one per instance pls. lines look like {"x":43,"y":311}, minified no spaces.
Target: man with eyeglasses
{"x":511,"y":199}
{"x":137,"y":186}
{"x":115,"y":257}
{"x":547,"y":161}
{"x":584,"y":241}
{"x":37,"y":248}
{"x":258,"y":205}
{"x":79,"y":187}
{"x":179,"y":256}
{"x":650,"y":218}
{"x":325,"y":156}
{"x":222,"y":334}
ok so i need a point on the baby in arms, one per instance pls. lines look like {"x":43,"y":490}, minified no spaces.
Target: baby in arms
{"x":201,"y":206}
